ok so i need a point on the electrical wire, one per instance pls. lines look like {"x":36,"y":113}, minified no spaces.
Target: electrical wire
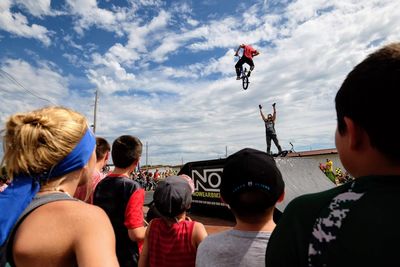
{"x":13,"y":80}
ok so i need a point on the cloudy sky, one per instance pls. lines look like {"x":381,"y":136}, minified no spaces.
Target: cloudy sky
{"x":164,"y":70}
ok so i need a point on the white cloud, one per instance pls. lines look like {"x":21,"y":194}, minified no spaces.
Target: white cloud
{"x":37,"y":8}
{"x":190,"y":110}
{"x":89,"y":14}
{"x":17,"y":24}
{"x":122,"y":54}
{"x":147,"y":2}
{"x":301,"y":72}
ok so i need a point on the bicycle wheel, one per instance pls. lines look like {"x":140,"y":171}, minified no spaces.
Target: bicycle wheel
{"x":245,"y":82}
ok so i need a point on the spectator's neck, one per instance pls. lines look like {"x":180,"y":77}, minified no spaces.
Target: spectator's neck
{"x":262,"y":225}
{"x":121,"y":172}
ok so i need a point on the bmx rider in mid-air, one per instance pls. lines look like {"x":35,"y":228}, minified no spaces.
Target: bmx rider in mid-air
{"x":248,"y":53}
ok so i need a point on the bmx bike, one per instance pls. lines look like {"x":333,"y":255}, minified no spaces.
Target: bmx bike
{"x":285,"y":152}
{"x":245,"y":78}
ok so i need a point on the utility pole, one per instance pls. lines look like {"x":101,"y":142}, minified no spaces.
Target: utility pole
{"x":95,"y":113}
{"x":147,"y":155}
{"x":226,"y":151}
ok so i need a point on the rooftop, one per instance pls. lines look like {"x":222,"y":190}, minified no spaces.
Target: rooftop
{"x":313,"y":152}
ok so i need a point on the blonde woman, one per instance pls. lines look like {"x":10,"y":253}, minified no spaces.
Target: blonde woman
{"x":47,"y":154}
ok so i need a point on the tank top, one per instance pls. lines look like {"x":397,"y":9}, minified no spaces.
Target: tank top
{"x":171,"y":245}
{"x":269,"y":127}
{"x":6,"y":258}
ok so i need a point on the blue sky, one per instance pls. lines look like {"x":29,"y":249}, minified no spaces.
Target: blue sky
{"x":164,"y":70}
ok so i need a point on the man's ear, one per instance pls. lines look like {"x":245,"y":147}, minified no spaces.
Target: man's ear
{"x":105,"y":159}
{"x":356,"y":135}
{"x":280,"y":199}
{"x":135,"y":164}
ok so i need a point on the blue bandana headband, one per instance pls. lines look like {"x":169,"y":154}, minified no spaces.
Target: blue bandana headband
{"x":23,"y":188}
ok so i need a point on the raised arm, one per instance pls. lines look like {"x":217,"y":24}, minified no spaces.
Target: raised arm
{"x":262,"y":115}
{"x":274,"y":112}
{"x":237,"y":50}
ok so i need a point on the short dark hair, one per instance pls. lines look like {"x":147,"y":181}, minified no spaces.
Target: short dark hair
{"x":250,"y":206}
{"x":370,"y":97}
{"x":125,"y":150}
{"x":102,"y":147}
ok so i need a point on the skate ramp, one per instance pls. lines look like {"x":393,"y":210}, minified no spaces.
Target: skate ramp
{"x":301,"y":176}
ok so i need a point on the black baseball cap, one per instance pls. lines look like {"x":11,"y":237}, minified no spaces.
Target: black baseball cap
{"x":172,"y":196}
{"x":251,"y":170}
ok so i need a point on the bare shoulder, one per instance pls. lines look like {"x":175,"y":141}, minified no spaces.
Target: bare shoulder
{"x":82,"y":214}
{"x":73,"y":208}
{"x":58,"y":225}
{"x":73,"y":214}
{"x":199,"y":226}
{"x":198,"y":234}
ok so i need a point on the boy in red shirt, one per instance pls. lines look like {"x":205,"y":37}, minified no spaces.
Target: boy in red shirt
{"x":122,"y":199}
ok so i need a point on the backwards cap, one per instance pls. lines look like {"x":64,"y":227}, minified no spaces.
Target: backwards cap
{"x":173,"y":196}
{"x":249,"y":170}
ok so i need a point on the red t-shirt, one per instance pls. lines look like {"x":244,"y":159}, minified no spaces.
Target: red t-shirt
{"x":156,"y":176}
{"x":248,"y":51}
{"x":134,"y":212}
{"x":171,"y":245}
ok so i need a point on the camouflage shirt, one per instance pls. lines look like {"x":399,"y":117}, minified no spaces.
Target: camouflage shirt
{"x":356,"y":224}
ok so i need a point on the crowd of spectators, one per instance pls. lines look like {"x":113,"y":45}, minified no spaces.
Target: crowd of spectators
{"x":149,"y":180}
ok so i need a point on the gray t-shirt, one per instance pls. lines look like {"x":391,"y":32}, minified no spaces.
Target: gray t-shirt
{"x":233,"y":248}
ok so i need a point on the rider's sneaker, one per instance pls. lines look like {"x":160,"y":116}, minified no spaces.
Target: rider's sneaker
{"x":237,"y":78}
{"x":248,"y":74}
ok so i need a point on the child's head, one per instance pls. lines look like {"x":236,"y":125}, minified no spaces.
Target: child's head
{"x":102,"y":148}
{"x":173,"y":196}
{"x":126,"y":149}
{"x":369,"y":96}
{"x":251,"y":184}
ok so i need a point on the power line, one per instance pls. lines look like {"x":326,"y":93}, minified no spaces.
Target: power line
{"x":13,"y":80}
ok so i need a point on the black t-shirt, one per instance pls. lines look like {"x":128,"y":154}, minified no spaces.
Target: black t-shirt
{"x":112,"y":194}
